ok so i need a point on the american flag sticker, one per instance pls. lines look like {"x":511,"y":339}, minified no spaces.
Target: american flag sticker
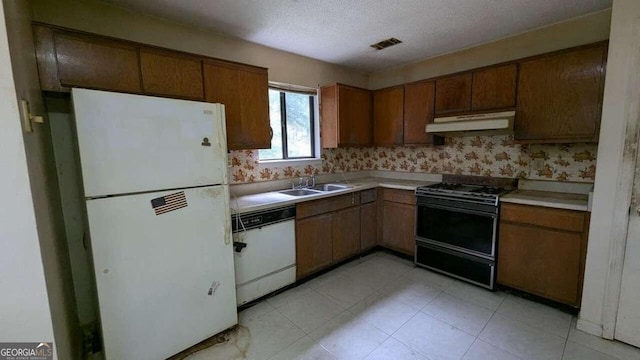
{"x":169,"y":203}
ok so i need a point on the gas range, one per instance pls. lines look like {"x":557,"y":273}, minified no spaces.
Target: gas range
{"x":482,"y":194}
{"x":457,"y":226}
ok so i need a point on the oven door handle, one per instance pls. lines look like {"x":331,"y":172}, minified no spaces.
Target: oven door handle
{"x":464,"y":211}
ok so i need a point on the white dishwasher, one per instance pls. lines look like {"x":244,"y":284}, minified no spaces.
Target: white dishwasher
{"x":265,"y":252}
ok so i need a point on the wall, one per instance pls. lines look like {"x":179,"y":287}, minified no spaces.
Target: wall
{"x":109,"y":20}
{"x":24,"y":305}
{"x":577,"y":31}
{"x":43,"y":184}
{"x":618,"y":141}
{"x":480,"y":155}
{"x":72,"y":204}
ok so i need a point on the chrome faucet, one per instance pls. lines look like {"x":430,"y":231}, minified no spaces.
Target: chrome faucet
{"x":304,"y":182}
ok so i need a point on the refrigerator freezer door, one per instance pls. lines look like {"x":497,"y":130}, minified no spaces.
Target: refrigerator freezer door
{"x":165,"y":282}
{"x":134,"y":143}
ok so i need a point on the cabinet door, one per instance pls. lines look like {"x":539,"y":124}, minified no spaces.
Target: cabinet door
{"x":314,"y":246}
{"x":388,"y":116}
{"x":354,"y":116}
{"x":560,"y":97}
{"x":494,"y":88}
{"x":245,"y":94}
{"x":541,"y":261}
{"x":453,"y":94}
{"x":419,"y":99}
{"x":346,"y":233}
{"x":368,"y":221}
{"x":95,"y":63}
{"x":399,"y":227}
{"x":170,"y":74}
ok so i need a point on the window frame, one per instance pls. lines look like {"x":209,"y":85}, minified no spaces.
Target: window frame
{"x":313,"y":123}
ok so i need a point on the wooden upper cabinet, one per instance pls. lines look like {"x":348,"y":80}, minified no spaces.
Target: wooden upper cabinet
{"x":419,"y":101}
{"x":494,"y":88}
{"x":244,"y":91}
{"x":169,"y":74}
{"x":89,"y":62}
{"x":560,"y":96}
{"x":345,"y":116}
{"x":388,"y":116}
{"x":453,"y":94}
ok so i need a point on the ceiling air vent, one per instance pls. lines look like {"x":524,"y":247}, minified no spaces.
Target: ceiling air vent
{"x":385,"y":43}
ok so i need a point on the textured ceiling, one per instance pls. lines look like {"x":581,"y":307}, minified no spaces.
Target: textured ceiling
{"x":340,"y":31}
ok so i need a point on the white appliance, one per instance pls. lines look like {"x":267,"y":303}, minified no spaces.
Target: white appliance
{"x":462,"y":125}
{"x":155,"y":183}
{"x":265,"y":256}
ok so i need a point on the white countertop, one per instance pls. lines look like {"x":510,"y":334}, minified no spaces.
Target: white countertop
{"x":269,"y":200}
{"x":549,"y":199}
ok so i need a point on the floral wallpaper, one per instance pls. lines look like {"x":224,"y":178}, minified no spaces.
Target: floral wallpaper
{"x":478,"y":155}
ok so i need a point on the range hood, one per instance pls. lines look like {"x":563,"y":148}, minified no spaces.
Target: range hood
{"x":474,"y":124}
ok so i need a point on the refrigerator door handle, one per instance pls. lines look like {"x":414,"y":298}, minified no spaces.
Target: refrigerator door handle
{"x":213,"y":288}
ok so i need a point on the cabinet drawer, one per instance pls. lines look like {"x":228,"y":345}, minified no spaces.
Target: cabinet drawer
{"x":560,"y":219}
{"x":315,"y":207}
{"x":399,"y":196}
{"x":368,"y":196}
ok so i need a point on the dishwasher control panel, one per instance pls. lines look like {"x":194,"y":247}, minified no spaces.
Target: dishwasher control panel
{"x":254,"y":220}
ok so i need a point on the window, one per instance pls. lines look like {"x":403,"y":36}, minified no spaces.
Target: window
{"x":292,"y":116}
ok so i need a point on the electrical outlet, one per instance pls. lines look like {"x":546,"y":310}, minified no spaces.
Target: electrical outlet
{"x":538,"y":164}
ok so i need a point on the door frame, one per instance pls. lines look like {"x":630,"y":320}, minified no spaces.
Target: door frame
{"x":618,"y":148}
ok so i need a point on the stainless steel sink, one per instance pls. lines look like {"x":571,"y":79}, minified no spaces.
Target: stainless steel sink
{"x":299,"y":192}
{"x":330,"y":187}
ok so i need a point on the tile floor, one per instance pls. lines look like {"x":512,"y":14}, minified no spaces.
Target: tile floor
{"x":382,"y":307}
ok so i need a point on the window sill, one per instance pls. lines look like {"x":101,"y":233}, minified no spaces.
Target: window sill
{"x":290,"y":162}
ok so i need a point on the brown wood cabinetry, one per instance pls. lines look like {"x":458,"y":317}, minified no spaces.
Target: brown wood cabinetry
{"x":542,"y":251}
{"x":388,"y":116}
{"x":314,"y":246}
{"x":71,"y":59}
{"x":494,"y":88}
{"x":560,"y":96}
{"x":333,"y":224}
{"x":345,"y":116}
{"x":245,"y":93}
{"x":453,"y":94}
{"x":399,"y":220}
{"x":419,"y":99}
{"x":368,"y":219}
{"x":95,"y":63}
{"x":168,"y":74}
{"x":345,"y":229}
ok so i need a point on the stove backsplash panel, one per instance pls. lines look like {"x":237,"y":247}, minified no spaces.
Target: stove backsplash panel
{"x":496,"y":156}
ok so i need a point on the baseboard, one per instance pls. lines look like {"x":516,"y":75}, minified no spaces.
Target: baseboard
{"x":589,"y":327}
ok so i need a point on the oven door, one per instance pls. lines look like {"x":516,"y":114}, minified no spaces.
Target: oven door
{"x":457,"y":225}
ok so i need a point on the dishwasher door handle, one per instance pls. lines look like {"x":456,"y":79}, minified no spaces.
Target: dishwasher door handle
{"x":238,"y":246}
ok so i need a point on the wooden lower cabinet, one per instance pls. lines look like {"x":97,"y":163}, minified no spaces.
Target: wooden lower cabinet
{"x":327,"y":232}
{"x":368,"y":234}
{"x":399,"y":221}
{"x":314,"y":246}
{"x":345,"y":229}
{"x":540,"y":257}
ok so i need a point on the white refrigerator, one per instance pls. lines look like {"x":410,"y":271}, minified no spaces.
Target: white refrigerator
{"x":155,"y":182}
